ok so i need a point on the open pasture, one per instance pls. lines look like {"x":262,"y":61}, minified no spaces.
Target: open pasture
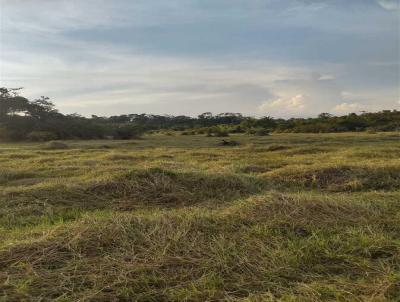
{"x":285,"y":217}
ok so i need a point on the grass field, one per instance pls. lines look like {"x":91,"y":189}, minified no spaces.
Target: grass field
{"x":288,"y":217}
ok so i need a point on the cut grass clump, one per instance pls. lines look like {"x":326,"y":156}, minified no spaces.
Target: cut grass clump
{"x":21,"y":156}
{"x":275,"y":147}
{"x":206,"y":154}
{"x":270,"y":148}
{"x":167,"y":187}
{"x":388,"y":153}
{"x":118,"y":156}
{"x":341,"y":178}
{"x":308,"y":150}
{"x":8,"y":176}
{"x":229,"y":143}
{"x":254,"y":169}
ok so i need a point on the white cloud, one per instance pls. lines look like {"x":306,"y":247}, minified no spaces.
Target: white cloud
{"x":118,"y":81}
{"x":349,"y":96}
{"x":294,"y":104}
{"x":55,"y":16}
{"x":42,"y":51}
{"x":347,"y":107}
{"x":389,"y":4}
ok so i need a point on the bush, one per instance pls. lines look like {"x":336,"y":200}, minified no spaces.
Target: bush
{"x":41,"y":136}
{"x":229,"y":143}
{"x":188,"y":133}
{"x":236,"y":129}
{"x":217,"y":132}
{"x":4,"y":134}
{"x":127,"y":132}
{"x":221,"y":134}
{"x":261,"y":132}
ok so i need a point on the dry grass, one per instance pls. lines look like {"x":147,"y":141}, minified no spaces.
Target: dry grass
{"x":177,"y":218}
{"x":54,"y":145}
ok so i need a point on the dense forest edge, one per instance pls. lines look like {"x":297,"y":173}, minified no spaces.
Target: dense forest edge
{"x":39,"y":120}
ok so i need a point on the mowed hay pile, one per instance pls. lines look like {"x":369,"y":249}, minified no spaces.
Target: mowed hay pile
{"x":342,"y":178}
{"x":165,"y":186}
{"x":185,"y":220}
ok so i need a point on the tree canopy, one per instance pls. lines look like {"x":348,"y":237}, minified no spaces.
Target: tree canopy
{"x":22,"y":119}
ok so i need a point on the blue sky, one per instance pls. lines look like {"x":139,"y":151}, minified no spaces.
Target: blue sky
{"x":260,"y":57}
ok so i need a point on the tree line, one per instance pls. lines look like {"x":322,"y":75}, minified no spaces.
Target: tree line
{"x":39,"y":120}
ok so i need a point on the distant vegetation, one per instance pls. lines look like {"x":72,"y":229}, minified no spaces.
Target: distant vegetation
{"x":39,"y":120}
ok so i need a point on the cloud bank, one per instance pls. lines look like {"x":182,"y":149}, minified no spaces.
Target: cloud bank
{"x":280,"y":58}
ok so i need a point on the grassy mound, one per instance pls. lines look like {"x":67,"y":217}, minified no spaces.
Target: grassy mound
{"x":342,"y":178}
{"x":164,"y":186}
{"x":330,"y":178}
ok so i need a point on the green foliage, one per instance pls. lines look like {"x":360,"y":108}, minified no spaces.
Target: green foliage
{"x":189,"y":132}
{"x":258,"y":131}
{"x":38,"y":120}
{"x":217,"y":131}
{"x":127,"y":131}
{"x":41,"y":136}
{"x":22,"y":119}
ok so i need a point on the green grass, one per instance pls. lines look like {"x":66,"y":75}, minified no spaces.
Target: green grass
{"x":288,"y":217}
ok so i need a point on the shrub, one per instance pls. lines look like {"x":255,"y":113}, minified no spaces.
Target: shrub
{"x":127,"y":132}
{"x":188,"y":133}
{"x":371,"y":131}
{"x":41,"y":136}
{"x":221,"y":134}
{"x":258,"y":131}
{"x":4,"y":134}
{"x":217,"y":132}
{"x":229,"y":143}
{"x":262,"y":132}
{"x":236,"y":129}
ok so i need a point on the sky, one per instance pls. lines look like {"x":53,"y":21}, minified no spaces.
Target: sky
{"x":281,"y":58}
